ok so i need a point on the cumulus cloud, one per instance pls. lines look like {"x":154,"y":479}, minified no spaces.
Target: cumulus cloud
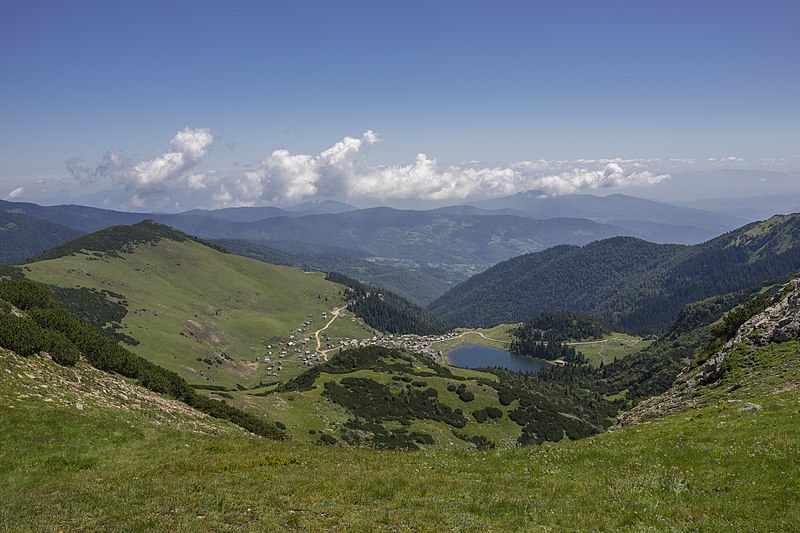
{"x":187,"y":148}
{"x":338,"y":171}
{"x":342,"y":171}
{"x":16,"y":193}
{"x":287,"y":177}
{"x":581,"y":179}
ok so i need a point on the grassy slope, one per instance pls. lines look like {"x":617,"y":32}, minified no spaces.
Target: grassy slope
{"x":241,"y":304}
{"x":496,"y":337}
{"x":614,"y":345}
{"x":719,"y":468}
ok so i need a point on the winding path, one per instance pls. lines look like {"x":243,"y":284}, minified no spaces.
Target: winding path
{"x":579,"y":343}
{"x":319,"y":350}
{"x":478,"y":333}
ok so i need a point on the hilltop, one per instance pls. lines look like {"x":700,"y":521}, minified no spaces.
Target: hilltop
{"x":629,"y":283}
{"x":210,"y":316}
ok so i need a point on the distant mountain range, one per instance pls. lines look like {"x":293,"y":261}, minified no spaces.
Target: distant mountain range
{"x":656,"y":221}
{"x":419,"y":254}
{"x":632,"y":284}
{"x":253,"y":214}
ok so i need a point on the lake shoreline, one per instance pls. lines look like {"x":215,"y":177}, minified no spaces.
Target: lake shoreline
{"x":471,"y":356}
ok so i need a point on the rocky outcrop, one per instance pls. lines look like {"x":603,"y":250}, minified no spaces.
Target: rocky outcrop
{"x":39,"y":380}
{"x":779,"y":322}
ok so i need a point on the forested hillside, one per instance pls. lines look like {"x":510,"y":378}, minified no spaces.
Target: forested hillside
{"x":544,"y":337}
{"x":22,"y":236}
{"x":386,"y":311}
{"x":630,"y":284}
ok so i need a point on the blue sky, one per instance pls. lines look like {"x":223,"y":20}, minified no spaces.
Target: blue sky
{"x":495,"y":82}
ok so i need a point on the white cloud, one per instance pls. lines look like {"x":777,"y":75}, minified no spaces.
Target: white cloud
{"x":16,"y":193}
{"x":581,"y":179}
{"x":287,"y":177}
{"x":187,"y":148}
{"x":200,"y":181}
{"x":337,"y":171}
{"x":341,"y":171}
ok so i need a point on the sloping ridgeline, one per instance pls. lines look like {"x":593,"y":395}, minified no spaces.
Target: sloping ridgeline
{"x":118,"y":239}
{"x":631,"y":284}
{"x":105,"y":309}
{"x":386,"y":311}
{"x":419,"y":284}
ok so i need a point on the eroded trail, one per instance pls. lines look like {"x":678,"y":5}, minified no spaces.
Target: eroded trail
{"x":480,"y":335}
{"x":324,"y":353}
{"x":602,"y":341}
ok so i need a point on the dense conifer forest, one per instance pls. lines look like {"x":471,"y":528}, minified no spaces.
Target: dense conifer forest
{"x":386,"y":311}
{"x":632,"y":285}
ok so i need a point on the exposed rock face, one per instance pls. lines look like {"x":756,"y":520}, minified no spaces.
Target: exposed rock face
{"x":779,"y":322}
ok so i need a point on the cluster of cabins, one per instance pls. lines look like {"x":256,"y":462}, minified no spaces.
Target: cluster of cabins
{"x":414,"y":343}
{"x":296,"y":345}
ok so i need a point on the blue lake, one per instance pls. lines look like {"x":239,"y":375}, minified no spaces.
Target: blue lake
{"x":477,"y":356}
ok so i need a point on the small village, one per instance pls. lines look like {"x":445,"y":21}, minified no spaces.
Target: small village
{"x":303,"y":345}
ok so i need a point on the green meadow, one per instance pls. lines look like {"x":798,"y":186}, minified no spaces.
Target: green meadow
{"x":206,"y":315}
{"x":717,"y":468}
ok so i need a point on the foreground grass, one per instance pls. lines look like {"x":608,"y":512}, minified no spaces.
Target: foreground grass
{"x":720,"y":468}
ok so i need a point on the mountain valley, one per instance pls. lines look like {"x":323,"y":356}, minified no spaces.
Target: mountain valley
{"x":341,"y":370}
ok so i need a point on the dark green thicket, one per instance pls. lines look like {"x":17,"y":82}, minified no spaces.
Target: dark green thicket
{"x":373,"y":357}
{"x":361,"y":432}
{"x":11,"y":272}
{"x":733,"y":319}
{"x":26,"y":294}
{"x":26,"y":338}
{"x":562,"y":326}
{"x":481,"y":442}
{"x":99,"y":308}
{"x":555,"y":402}
{"x":49,"y":327}
{"x":386,"y":311}
{"x":534,"y":345}
{"x":117,"y":240}
{"x":373,"y":401}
